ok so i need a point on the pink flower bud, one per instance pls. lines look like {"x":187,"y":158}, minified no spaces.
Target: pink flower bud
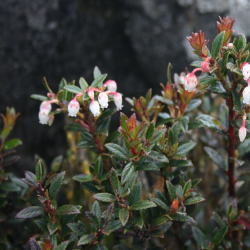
{"x":43,"y":116}
{"x":118,"y":101}
{"x":242,"y":133}
{"x":190,"y":82}
{"x":204,"y":66}
{"x":91,"y":94}
{"x":94,"y":108}
{"x":44,"y":105}
{"x":73,"y":107}
{"x":245,"y":69}
{"x":103,"y":100}
{"x":246,"y":95}
{"x":112,"y":86}
{"x":230,"y":45}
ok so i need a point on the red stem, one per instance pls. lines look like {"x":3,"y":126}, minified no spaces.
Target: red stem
{"x":231,"y":149}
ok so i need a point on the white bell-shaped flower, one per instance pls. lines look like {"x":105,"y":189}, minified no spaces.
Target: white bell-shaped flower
{"x":242,"y":133}
{"x":245,"y":68}
{"x":94,"y":108}
{"x":111,"y":85}
{"x":43,"y":116}
{"x":44,"y":105}
{"x":103,"y":99}
{"x":118,"y":101}
{"x":190,"y":82}
{"x":73,"y":108}
{"x":246,"y":95}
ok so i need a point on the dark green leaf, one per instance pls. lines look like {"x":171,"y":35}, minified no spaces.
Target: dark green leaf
{"x":78,"y":228}
{"x":112,"y":137}
{"x":182,"y":217}
{"x":56,"y":163}
{"x":139,"y":205}
{"x":209,"y":121}
{"x":123,"y":215}
{"x":216,"y":157}
{"x":114,"y":179}
{"x":207,"y":79}
{"x":73,"y":89}
{"x":185,"y":148}
{"x":39,"y":171}
{"x":42,"y":224}
{"x":67,"y":209}
{"x":180,"y":163}
{"x":240,"y":42}
{"x":236,"y":100}
{"x":127,"y":172}
{"x":200,"y":238}
{"x":56,"y":185}
{"x":150,"y":131}
{"x":39,"y":97}
{"x":217,"y":45}
{"x":83,"y":178}
{"x":30,"y":212}
{"x":135,"y":194}
{"x":83,"y":84}
{"x":160,"y":203}
{"x":104,"y":197}
{"x":219,"y":220}
{"x":117,"y":150}
{"x":195,"y":103}
{"x":52,"y":227}
{"x":112,"y":226}
{"x":171,"y":190}
{"x":34,"y":245}
{"x":173,"y":134}
{"x":156,"y":156}
{"x":219,"y":235}
{"x":62,"y":246}
{"x":193,"y":200}
{"x":233,"y":68}
{"x":86,"y":239}
{"x":98,"y":81}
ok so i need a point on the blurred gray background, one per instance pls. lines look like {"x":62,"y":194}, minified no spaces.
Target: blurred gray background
{"x":131,"y":40}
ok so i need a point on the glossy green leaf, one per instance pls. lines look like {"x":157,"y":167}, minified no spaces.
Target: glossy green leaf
{"x":12,"y":143}
{"x":140,"y":205}
{"x":117,"y":150}
{"x":73,"y":89}
{"x":123,"y":215}
{"x":217,"y":45}
{"x":30,"y":212}
{"x":104,"y":197}
{"x":67,"y":209}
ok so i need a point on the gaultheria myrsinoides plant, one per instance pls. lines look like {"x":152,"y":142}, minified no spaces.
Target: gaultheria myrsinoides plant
{"x":152,"y":145}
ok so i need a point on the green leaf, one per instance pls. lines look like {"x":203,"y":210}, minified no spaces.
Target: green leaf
{"x":117,"y":150}
{"x":83,"y":84}
{"x":150,"y":131}
{"x":217,"y":45}
{"x":67,"y":209}
{"x":200,"y":238}
{"x":171,"y":190}
{"x":139,"y":205}
{"x":42,"y":224}
{"x":185,"y":148}
{"x":236,"y":100}
{"x":96,"y":210}
{"x":112,"y":226}
{"x":169,"y":73}
{"x":180,"y":163}
{"x":105,"y":197}
{"x":173,"y":134}
{"x":78,"y":228}
{"x":30,"y":212}
{"x":207,"y":79}
{"x":30,"y":179}
{"x":233,"y":68}
{"x":123,"y":215}
{"x":157,"y":156}
{"x":127,"y":172}
{"x":86,"y":239}
{"x":73,"y":89}
{"x":12,"y":143}
{"x":39,"y":97}
{"x":219,"y":220}
{"x":112,"y":137}
{"x":164,"y":100}
{"x":240,"y":42}
{"x":161,"y":204}
{"x":98,"y":81}
{"x":217,"y":88}
{"x":114,"y":179}
{"x":193,"y":200}
{"x":83,"y":178}
{"x":209,"y":121}
{"x":182,"y":217}
{"x":10,"y":187}
{"x":98,"y":167}
{"x":56,"y":185}
{"x":52,"y":227}
{"x":39,"y":171}
{"x":135,"y":194}
{"x":187,"y":186}
{"x":62,"y":246}
{"x":216,"y":157}
{"x":196,"y":64}
{"x":96,"y":72}
{"x":219,"y":235}
{"x":34,"y":245}
{"x":56,"y":163}
{"x":195,"y":103}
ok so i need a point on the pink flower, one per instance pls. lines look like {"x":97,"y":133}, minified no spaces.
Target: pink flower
{"x":245,"y":69}
{"x":242,"y":130}
{"x":118,"y":101}
{"x":103,"y":100}
{"x":94,"y":108}
{"x":73,"y":108}
{"x":190,"y":82}
{"x":204,"y":66}
{"x":45,"y":105}
{"x":43,"y":116}
{"x":112,"y":86}
{"x":91,"y":94}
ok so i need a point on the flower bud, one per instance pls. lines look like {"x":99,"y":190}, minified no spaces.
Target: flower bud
{"x":230,"y":45}
{"x":190,"y":82}
{"x":245,"y":68}
{"x":94,"y":108}
{"x":204,"y":66}
{"x":44,"y":105}
{"x":246,"y":95}
{"x":73,"y":107}
{"x":112,"y":86}
{"x":91,"y":94}
{"x":118,"y":101}
{"x":43,"y":116}
{"x":242,"y":133}
{"x":103,"y":99}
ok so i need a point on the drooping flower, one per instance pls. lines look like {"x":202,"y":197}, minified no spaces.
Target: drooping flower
{"x":118,"y":101}
{"x":103,"y":99}
{"x":242,"y":130}
{"x":45,"y":105}
{"x":94,"y":108}
{"x":43,"y":116}
{"x":91,"y":94}
{"x":246,"y":95}
{"x":111,"y":85}
{"x":245,"y":69}
{"x":73,"y":108}
{"x":190,"y":82}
